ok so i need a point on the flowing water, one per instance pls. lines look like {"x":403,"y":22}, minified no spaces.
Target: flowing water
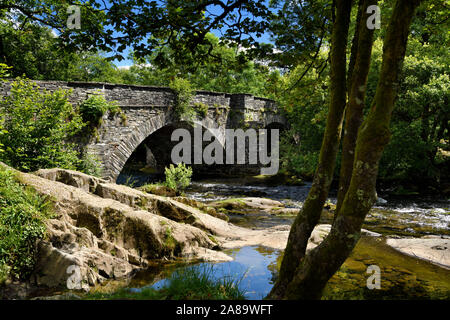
{"x":391,"y":215}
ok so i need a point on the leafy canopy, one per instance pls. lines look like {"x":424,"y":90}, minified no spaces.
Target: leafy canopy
{"x":112,"y":26}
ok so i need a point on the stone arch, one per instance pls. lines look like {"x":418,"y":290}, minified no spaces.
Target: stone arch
{"x":275,"y":121}
{"x":275,"y":125}
{"x":123,"y":149}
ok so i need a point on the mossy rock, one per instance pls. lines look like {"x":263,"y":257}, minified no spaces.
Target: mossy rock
{"x":235,"y":204}
{"x":402,"y":277}
{"x":203,"y":207}
{"x":169,"y":211}
{"x":402,"y":191}
{"x":282,"y":178}
{"x":158,"y":190}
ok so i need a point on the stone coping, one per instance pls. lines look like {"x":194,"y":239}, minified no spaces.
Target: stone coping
{"x":106,"y":85}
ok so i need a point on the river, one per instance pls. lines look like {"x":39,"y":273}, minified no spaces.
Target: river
{"x":404,"y":277}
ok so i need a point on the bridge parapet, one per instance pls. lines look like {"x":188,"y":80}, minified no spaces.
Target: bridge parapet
{"x":148,"y":96}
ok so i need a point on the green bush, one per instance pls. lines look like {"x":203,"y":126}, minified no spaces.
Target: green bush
{"x":183,"y":97}
{"x":179,"y":177}
{"x":38,"y":125}
{"x":197,"y":282}
{"x":4,"y":272}
{"x":2,"y":132}
{"x":297,"y":158}
{"x":94,"y":107}
{"x":4,"y":70}
{"x":90,"y":164}
{"x":3,"y":74}
{"x":22,"y":216}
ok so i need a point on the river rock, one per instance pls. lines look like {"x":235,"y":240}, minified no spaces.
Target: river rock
{"x":381,"y":200}
{"x":285,"y":211}
{"x":203,"y":207}
{"x":249,"y":204}
{"x":226,"y":235}
{"x":159,"y":190}
{"x":72,"y":178}
{"x":435,"y":249}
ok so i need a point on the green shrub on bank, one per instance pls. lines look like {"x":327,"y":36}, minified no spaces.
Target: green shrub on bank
{"x":22,"y":216}
{"x":4,"y":70}
{"x":38,"y":125}
{"x":191,"y":283}
{"x":201,"y":109}
{"x":2,"y":132}
{"x":90,"y":165}
{"x":179,"y":177}
{"x":3,"y":74}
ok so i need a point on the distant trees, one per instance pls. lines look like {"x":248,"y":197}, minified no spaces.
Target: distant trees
{"x":421,"y":119}
{"x":225,"y":70}
{"x":34,"y":51}
{"x":414,"y":153}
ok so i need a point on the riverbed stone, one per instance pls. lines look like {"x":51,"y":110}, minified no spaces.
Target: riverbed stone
{"x":435,"y":249}
{"x":72,"y":178}
{"x":158,"y":190}
{"x":249,"y":204}
{"x":203,"y":207}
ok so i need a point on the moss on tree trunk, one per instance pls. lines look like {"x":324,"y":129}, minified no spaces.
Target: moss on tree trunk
{"x":355,"y":106}
{"x":304,"y":277}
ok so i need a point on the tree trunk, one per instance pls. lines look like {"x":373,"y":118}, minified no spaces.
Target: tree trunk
{"x":307,"y":219}
{"x":321,"y":263}
{"x":355,"y":41}
{"x":355,"y":107}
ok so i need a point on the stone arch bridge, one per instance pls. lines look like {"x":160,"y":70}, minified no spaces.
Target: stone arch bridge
{"x":147,"y":118}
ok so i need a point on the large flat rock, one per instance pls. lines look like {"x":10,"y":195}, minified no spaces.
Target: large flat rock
{"x":435,"y":249}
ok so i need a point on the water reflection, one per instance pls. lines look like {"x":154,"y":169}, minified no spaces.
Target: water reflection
{"x":254,"y":267}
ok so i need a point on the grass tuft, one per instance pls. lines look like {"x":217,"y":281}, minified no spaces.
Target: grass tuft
{"x":22,"y":216}
{"x":188,"y":283}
